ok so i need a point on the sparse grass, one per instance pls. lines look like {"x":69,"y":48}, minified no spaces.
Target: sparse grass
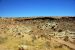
{"x":2,"y":40}
{"x":32,"y":36}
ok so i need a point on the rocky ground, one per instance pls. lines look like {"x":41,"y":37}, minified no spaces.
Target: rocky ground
{"x":41,"y":33}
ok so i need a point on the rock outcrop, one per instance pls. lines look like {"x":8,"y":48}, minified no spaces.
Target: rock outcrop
{"x":40,"y":33}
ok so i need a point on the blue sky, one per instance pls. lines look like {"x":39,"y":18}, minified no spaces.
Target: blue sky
{"x":37,"y":8}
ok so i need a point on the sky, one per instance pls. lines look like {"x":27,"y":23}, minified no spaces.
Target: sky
{"x":23,"y":8}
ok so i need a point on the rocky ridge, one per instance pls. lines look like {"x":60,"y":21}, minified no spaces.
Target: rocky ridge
{"x":41,"y":33}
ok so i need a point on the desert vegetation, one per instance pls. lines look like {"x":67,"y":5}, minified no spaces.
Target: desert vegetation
{"x":40,"y":33}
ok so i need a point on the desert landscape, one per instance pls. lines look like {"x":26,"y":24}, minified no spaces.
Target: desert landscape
{"x":37,"y":33}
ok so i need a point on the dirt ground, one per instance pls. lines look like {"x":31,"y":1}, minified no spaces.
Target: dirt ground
{"x":40,"y":33}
